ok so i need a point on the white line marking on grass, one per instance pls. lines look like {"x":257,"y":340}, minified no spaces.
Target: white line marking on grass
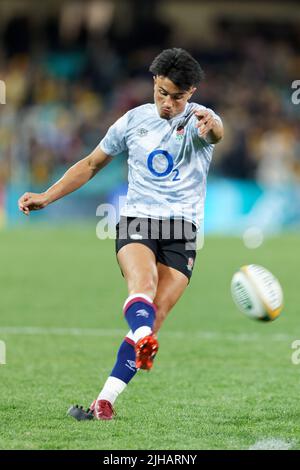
{"x":36,"y":331}
{"x":271,"y":444}
{"x":201,"y":335}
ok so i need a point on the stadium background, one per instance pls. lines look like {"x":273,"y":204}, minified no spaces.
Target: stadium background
{"x":70,"y":69}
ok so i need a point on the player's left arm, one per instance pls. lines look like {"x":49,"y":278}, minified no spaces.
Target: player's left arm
{"x":210,"y":126}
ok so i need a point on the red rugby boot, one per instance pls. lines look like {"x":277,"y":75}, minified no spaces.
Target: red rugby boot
{"x":145,"y":350}
{"x":102,"y":409}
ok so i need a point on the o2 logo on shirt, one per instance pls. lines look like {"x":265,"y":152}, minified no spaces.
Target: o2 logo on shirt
{"x":169,"y":161}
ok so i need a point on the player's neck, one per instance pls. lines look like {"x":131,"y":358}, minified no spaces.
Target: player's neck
{"x":174,"y":118}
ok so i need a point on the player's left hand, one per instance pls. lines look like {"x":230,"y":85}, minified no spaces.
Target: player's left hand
{"x":206,"y":121}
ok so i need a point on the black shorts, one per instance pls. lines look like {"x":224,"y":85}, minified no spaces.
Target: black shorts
{"x":173,"y":241}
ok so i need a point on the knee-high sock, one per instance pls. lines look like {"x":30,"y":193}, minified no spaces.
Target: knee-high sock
{"x":139,"y":311}
{"x":123,"y":371}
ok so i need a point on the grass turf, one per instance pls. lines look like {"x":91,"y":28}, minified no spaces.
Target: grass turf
{"x":220,"y":380}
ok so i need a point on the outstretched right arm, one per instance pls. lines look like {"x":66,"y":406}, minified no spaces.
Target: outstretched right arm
{"x":74,"y":178}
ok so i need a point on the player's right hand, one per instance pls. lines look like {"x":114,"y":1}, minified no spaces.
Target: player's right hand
{"x":32,"y":202}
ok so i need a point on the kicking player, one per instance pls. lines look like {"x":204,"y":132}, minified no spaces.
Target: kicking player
{"x":169,"y":145}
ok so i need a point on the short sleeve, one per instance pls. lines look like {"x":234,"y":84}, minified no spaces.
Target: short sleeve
{"x":114,"y":142}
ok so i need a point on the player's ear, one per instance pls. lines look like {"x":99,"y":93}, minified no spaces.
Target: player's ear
{"x":192,"y":91}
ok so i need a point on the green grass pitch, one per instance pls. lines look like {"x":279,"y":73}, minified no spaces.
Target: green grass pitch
{"x":220,"y":380}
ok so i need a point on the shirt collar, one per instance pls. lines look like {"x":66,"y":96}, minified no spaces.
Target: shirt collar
{"x":175,"y":118}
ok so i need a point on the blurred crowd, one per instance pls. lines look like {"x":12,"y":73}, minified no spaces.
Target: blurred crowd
{"x":64,"y":90}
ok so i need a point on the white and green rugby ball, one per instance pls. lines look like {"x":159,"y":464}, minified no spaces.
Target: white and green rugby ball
{"x":257,"y":293}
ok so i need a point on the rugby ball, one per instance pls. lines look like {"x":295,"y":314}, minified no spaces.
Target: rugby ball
{"x":257,"y":293}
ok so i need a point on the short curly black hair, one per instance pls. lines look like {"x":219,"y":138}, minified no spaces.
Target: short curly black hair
{"x":179,"y":66}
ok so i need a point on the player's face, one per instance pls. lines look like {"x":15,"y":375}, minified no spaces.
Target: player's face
{"x":169,"y":99}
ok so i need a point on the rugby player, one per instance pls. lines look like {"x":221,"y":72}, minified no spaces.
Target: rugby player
{"x":169,"y":146}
